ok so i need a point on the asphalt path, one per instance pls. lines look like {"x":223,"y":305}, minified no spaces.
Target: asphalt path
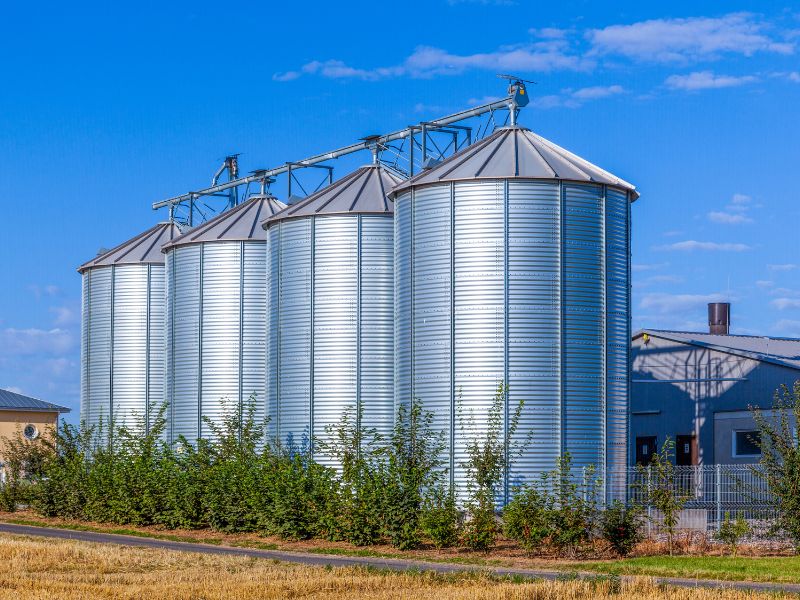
{"x":393,"y":564}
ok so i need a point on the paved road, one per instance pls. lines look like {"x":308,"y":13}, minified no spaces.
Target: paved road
{"x":396,"y":564}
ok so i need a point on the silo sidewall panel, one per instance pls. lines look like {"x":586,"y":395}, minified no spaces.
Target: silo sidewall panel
{"x":583,"y":297}
{"x":479,"y":309}
{"x":402,"y":300}
{"x":617,"y":336}
{"x":534,"y":325}
{"x":184,"y":321}
{"x":130,"y":346}
{"x":99,"y":347}
{"x":431,"y":310}
{"x":221,"y":306}
{"x":335,"y":329}
{"x":254,"y":328}
{"x":156,"y":342}
{"x":293,"y":307}
{"x":377,"y":323}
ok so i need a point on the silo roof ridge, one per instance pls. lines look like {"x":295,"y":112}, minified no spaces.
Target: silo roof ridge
{"x":364,"y":191}
{"x":240,"y":223}
{"x":144,"y":248}
{"x":516,"y":152}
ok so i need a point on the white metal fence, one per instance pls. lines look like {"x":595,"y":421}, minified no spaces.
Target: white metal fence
{"x":710,"y":491}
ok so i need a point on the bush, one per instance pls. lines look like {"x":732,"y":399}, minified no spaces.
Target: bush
{"x":621,"y":527}
{"x":527,"y":519}
{"x":481,"y":527}
{"x":440,"y":518}
{"x":732,"y":531}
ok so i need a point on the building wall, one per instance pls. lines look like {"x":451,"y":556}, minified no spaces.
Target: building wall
{"x":678,"y":388}
{"x":12,"y":422}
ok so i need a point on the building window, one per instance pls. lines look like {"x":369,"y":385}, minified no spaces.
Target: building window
{"x":30,"y":431}
{"x":746,"y":443}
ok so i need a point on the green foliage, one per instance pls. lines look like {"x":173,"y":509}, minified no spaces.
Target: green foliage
{"x":780,"y":458}
{"x":660,"y":489}
{"x":731,"y":531}
{"x":440,"y":519}
{"x":527,"y":519}
{"x":621,"y":527}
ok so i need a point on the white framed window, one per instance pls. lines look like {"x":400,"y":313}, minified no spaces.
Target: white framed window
{"x":746,"y":443}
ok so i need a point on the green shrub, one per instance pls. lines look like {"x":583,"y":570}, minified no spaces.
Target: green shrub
{"x":440,"y":518}
{"x":731,"y":531}
{"x":480,"y":528}
{"x":621,"y":527}
{"x":527,"y":518}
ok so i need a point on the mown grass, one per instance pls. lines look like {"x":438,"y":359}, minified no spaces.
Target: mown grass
{"x":71,"y":570}
{"x":779,"y":569}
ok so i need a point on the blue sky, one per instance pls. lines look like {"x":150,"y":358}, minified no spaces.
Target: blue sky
{"x":107,"y":107}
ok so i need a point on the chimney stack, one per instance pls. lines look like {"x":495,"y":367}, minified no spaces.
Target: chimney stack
{"x":719,"y":318}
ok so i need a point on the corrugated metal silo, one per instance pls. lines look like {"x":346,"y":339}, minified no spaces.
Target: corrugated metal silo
{"x":122,"y":337}
{"x":512,"y":265}
{"x":330,"y":304}
{"x":216,"y":321}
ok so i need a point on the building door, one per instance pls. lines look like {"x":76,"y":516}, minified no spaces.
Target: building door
{"x":645,"y":449}
{"x":685,"y":450}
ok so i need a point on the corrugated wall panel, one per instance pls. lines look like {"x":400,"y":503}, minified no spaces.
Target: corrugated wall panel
{"x":129,"y":359}
{"x":95,"y":408}
{"x":583,"y":297}
{"x":220,"y":343}
{"x":184,"y":323}
{"x":617,"y":328}
{"x":534,"y":318}
{"x":157,"y":342}
{"x":479,"y":305}
{"x":335,"y":323}
{"x":432,"y":310}
{"x":402,"y":299}
{"x":254,"y":327}
{"x":294,"y":347}
{"x":377,"y":322}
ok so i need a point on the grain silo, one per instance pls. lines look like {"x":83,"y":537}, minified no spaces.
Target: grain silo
{"x":512,"y":265}
{"x":122,"y":331}
{"x":330,"y":304}
{"x":216,"y":321}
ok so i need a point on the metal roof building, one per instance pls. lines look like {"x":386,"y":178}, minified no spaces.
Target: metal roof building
{"x":122,"y":337}
{"x":216,"y":320}
{"x":330,"y":302}
{"x":14,"y":401}
{"x":512,"y":266}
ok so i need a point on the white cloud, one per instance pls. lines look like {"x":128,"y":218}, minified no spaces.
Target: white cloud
{"x":787,"y":328}
{"x":741,"y":199}
{"x":677,"y":303}
{"x":570,"y":98}
{"x":552,"y":33}
{"x":13,"y":388}
{"x":794,"y":76}
{"x":691,"y":245}
{"x":682,"y":40}
{"x":783,"y":267}
{"x":784,"y":303}
{"x":597,"y":91}
{"x":35,"y":341}
{"x":639,"y":267}
{"x":764,"y":283}
{"x":426,"y":61}
{"x":727,"y":218}
{"x":704,"y":80}
{"x":63,"y":315}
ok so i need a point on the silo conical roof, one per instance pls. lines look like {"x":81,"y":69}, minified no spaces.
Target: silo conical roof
{"x":365,"y":190}
{"x":516,"y":152}
{"x":144,"y":248}
{"x":240,"y":223}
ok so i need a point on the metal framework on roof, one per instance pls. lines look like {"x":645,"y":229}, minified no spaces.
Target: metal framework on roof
{"x":407,"y":151}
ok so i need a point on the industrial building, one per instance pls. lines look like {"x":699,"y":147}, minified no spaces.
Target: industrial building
{"x":468,"y":255}
{"x":698,"y":388}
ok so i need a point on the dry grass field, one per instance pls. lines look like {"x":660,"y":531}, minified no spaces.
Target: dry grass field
{"x":38,"y":569}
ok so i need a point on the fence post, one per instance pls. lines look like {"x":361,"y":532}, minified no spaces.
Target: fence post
{"x":718,"y":492}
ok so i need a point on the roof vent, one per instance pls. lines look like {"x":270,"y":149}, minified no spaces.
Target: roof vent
{"x":719,"y":318}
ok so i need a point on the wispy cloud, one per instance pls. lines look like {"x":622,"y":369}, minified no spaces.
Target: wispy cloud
{"x":787,"y":328}
{"x":571,"y":98}
{"x":784,"y":303}
{"x":689,"y":39}
{"x":661,"y":303}
{"x":782,"y":267}
{"x":34,"y":341}
{"x":641,"y":267}
{"x":426,"y":61}
{"x":691,"y":245}
{"x":728,"y":218}
{"x":705,"y":80}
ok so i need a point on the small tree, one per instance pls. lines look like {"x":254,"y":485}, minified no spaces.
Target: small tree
{"x":780,"y":458}
{"x":731,"y":531}
{"x":440,"y":519}
{"x":621,"y":527}
{"x":660,"y":489}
